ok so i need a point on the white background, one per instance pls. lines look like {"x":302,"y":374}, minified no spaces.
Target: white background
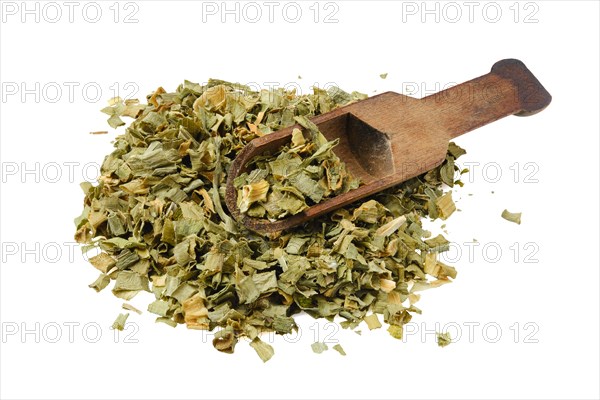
{"x":533,"y":312}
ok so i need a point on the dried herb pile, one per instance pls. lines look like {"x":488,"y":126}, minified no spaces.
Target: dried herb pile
{"x":157,"y":214}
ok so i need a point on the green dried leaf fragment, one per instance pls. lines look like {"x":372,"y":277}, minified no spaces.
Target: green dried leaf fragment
{"x":437,"y":268}
{"x":396,"y":331}
{"x":166,"y":321}
{"x":339,"y":349}
{"x":159,"y":307}
{"x":455,"y":150}
{"x":438,"y":244}
{"x":372,"y":321}
{"x":126,"y":259}
{"x":296,"y":244}
{"x":103,"y":262}
{"x":512,"y":217}
{"x":129,"y":307}
{"x":445,"y":205}
{"x":116,"y":225}
{"x":251,"y":287}
{"x":255,"y":264}
{"x":115,"y":108}
{"x":289,"y":201}
{"x":100,"y":283}
{"x":225,"y":340}
{"x":307,"y":186}
{"x":252,"y":193}
{"x":264,"y":350}
{"x":443,"y":339}
{"x":154,"y":121}
{"x":391,"y":227}
{"x":284,"y":325}
{"x":128,"y":284}
{"x":370,"y":212}
{"x":119,"y":323}
{"x":117,"y":242}
{"x":265,"y":282}
{"x":247,"y":290}
{"x":184,"y":252}
{"x":319,"y":347}
{"x":168,"y":232}
{"x":184,"y":292}
{"x":447,"y":171}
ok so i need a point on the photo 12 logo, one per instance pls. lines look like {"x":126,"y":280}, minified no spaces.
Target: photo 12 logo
{"x":53,"y":12}
{"x":474,"y":332}
{"x":69,"y":92}
{"x":66,"y":332}
{"x":270,"y":11}
{"x":470,"y":11}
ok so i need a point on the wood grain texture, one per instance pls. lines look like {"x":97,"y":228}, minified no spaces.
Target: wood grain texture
{"x":389,"y":138}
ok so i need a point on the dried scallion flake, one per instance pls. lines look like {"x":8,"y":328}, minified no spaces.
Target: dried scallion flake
{"x":443,"y":339}
{"x":339,"y":349}
{"x":264,"y":350}
{"x":396,"y":331}
{"x":127,"y":306}
{"x":512,"y":217}
{"x":119,"y":323}
{"x":319,"y":347}
{"x":445,"y":205}
{"x":157,"y":218}
{"x":100,"y":283}
{"x":372,"y":321}
{"x":252,"y":193}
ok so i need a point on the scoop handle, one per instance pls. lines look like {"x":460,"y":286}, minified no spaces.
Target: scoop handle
{"x":508,"y":89}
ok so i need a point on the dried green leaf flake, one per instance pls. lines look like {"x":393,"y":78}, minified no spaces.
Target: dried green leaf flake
{"x":339,"y":349}
{"x":127,"y":306}
{"x":512,"y":217}
{"x":119,"y":323}
{"x":372,"y":321}
{"x":128,"y":284}
{"x":443,"y":339}
{"x":159,"y":307}
{"x":264,"y":350}
{"x":396,"y":331}
{"x":225,"y":340}
{"x":319,"y":347}
{"x":100,"y":283}
{"x":445,"y":205}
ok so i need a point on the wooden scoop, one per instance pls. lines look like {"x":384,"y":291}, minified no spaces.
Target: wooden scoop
{"x":389,"y":138}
